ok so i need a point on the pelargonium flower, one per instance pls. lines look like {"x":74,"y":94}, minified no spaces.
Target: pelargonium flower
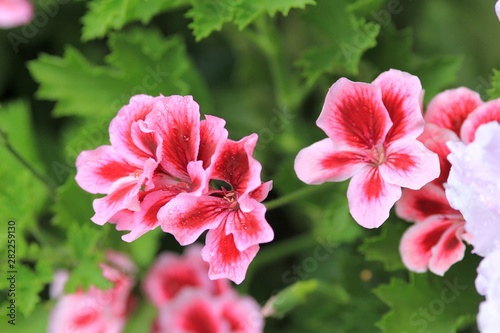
{"x":172,"y":273}
{"x":14,"y":13}
{"x":474,"y":186}
{"x":197,"y":311}
{"x":372,"y":134}
{"x":95,"y":310}
{"x":159,"y":148}
{"x":488,"y":285}
{"x":233,"y":213}
{"x":497,"y":9}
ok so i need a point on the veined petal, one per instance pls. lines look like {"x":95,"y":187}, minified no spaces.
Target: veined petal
{"x":419,"y":239}
{"x":212,"y":133}
{"x":249,"y":228}
{"x":354,"y":116}
{"x":98,"y":169}
{"x":234,"y":164}
{"x":122,"y":195}
{"x":323,"y":161}
{"x":371,"y":198}
{"x":225,"y":260}
{"x":450,"y":108}
{"x":486,"y":113}
{"x":187,"y":217}
{"x":418,"y":205}
{"x":401,"y":97}
{"x":124,"y":124}
{"x":261,"y":192}
{"x":409,"y":164}
{"x":177,"y":120}
{"x":449,"y":250}
{"x":434,"y":138}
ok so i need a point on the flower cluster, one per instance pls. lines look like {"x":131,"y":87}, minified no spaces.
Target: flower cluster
{"x":167,"y":168}
{"x":185,"y":298}
{"x":14,"y":13}
{"x":435,"y":241}
{"x":187,"y":301}
{"x":372,"y":134}
{"x":95,"y":310}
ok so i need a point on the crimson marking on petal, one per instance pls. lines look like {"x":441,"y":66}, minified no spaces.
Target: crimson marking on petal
{"x":340,"y":160}
{"x":174,"y":280}
{"x":232,"y":166}
{"x":375,"y":186}
{"x":115,"y":170}
{"x":431,"y":207}
{"x":84,"y":319}
{"x":401,"y":161}
{"x":394,"y":103}
{"x":427,"y":241}
{"x":197,"y":319}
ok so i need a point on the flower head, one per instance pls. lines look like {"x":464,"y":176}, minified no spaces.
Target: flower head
{"x":372,"y":131}
{"x":14,"y":13}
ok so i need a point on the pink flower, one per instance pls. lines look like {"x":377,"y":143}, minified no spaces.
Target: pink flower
{"x":159,"y":148}
{"x":14,"y":13}
{"x":196,"y":311}
{"x":233,"y":213}
{"x":171,"y":273}
{"x":372,"y":131}
{"x":474,"y":186}
{"x":96,"y":310}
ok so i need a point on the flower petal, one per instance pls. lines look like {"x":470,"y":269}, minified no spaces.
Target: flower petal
{"x":418,"y":205}
{"x":409,"y":164}
{"x":243,"y":314}
{"x":187,"y":217}
{"x":486,"y":113}
{"x":449,"y":250}
{"x":98,"y":169}
{"x":15,"y":13}
{"x":212,"y":133}
{"x":249,"y":228}
{"x":225,"y":260}
{"x":177,"y":120}
{"x":371,"y":198}
{"x":401,"y":97}
{"x":261,"y":192}
{"x":353,"y":115}
{"x":419,"y":239}
{"x":450,"y":108}
{"x":323,"y":161}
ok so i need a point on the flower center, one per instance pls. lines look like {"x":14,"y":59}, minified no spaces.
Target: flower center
{"x":231,"y":197}
{"x":376,"y":155}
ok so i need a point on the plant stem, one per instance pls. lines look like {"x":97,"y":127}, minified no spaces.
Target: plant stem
{"x":51,"y":185}
{"x":303,"y":192}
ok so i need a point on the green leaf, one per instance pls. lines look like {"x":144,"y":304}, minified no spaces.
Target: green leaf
{"x":144,"y":316}
{"x":106,"y":15}
{"x":344,"y":40}
{"x":73,"y":206}
{"x":494,"y":92}
{"x":143,"y":250}
{"x":29,"y":284}
{"x":385,"y":247}
{"x":141,"y":62}
{"x":429,"y":303}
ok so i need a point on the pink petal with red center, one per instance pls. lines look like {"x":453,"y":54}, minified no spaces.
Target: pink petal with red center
{"x":249,"y":228}
{"x":401,"y":94}
{"x":486,"y":113}
{"x":15,"y":13}
{"x":434,"y":138}
{"x":371,"y":198}
{"x":242,"y":314}
{"x":193,"y":311}
{"x":261,"y":192}
{"x":126,"y":136}
{"x":354,"y":116}
{"x":416,"y":206}
{"x":98,"y":169}
{"x":170,"y":274}
{"x":212,"y":133}
{"x":419,"y":239}
{"x":449,"y":250}
{"x":225,"y":260}
{"x":177,"y":120}
{"x":450,"y":108}
{"x":323,"y":161}
{"x":122,"y":195}
{"x":187,"y":217}
{"x":234,"y":164}
{"x":409,"y":164}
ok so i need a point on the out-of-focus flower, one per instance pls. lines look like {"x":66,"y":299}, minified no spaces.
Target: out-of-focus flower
{"x":14,"y":13}
{"x":497,"y":9}
{"x":95,"y":310}
{"x":372,"y":137}
{"x":474,"y":186}
{"x":488,"y":285}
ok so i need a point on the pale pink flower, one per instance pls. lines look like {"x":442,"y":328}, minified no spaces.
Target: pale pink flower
{"x":234,"y":216}
{"x":95,"y":310}
{"x":497,"y":9}
{"x":372,"y":137}
{"x":14,"y":13}
{"x":172,"y":273}
{"x":474,"y":186}
{"x":488,"y":285}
